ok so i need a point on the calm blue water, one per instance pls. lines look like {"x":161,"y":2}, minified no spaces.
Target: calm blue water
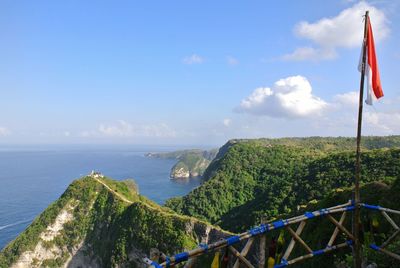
{"x":30,"y":179}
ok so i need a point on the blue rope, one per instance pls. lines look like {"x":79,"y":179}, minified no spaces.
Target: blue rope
{"x":283,"y":263}
{"x":374,"y":247}
{"x":309,"y":215}
{"x":259,"y":229}
{"x":323,"y":211}
{"x":318,"y":252}
{"x":278,"y":224}
{"x":184,"y":256}
{"x":167,"y":262}
{"x":155,"y":264}
{"x":372,"y":207}
{"x":232,"y":240}
{"x":204,"y":246}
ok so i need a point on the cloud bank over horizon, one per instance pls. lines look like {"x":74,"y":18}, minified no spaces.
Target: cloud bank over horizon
{"x":200,"y":79}
{"x":4,"y":131}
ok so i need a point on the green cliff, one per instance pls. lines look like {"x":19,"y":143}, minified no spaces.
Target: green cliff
{"x":266,"y":178}
{"x":190,"y":163}
{"x":99,"y":222}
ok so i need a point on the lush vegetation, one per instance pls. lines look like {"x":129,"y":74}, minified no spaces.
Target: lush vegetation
{"x":248,"y":180}
{"x":256,"y":179}
{"x":114,"y":232}
{"x":210,"y":154}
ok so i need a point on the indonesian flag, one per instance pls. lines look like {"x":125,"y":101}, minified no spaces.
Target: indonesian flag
{"x":374,"y":88}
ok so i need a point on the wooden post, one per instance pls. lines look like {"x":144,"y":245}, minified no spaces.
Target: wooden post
{"x":356,"y":220}
{"x":263,"y":240}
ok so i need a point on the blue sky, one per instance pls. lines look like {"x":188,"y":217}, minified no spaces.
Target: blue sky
{"x":184,"y":72}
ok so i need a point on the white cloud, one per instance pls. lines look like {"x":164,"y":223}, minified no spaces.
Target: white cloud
{"x":289,"y":97}
{"x":193,"y":59}
{"x":121,"y":129}
{"x":232,"y":60}
{"x":347,"y":99}
{"x":4,"y":131}
{"x":377,"y":120}
{"x":227,"y":122}
{"x":124,"y":129}
{"x":342,"y":31}
{"x":382,"y":122}
{"x":310,"y":53}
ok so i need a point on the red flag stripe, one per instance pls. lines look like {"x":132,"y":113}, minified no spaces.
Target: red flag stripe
{"x":373,"y":64}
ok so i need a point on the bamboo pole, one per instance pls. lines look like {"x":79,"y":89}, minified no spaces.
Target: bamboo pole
{"x":244,"y":251}
{"x":243,"y":259}
{"x":223,"y":243}
{"x":336,"y":231}
{"x":390,"y":239}
{"x":310,"y":255}
{"x":380,"y":208}
{"x":391,"y":254}
{"x":332,"y":210}
{"x":390,"y":220}
{"x":262,"y":246}
{"x":391,"y":211}
{"x":190,"y":263}
{"x":263,"y":242}
{"x":356,"y":220}
{"x":298,"y":239}
{"x":293,"y":241}
{"x":341,"y":227}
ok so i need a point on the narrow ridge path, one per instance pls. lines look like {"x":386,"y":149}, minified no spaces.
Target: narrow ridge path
{"x":117,"y":194}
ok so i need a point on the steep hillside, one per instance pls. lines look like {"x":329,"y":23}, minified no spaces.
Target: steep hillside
{"x":323,"y":145}
{"x":99,"y":222}
{"x":190,"y":163}
{"x":264,"y":178}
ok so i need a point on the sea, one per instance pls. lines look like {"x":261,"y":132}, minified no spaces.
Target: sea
{"x":32,"y":177}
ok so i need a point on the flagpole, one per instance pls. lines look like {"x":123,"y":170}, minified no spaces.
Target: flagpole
{"x":356,"y":220}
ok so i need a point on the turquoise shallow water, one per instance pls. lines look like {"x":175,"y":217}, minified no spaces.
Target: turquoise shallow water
{"x":32,"y":178}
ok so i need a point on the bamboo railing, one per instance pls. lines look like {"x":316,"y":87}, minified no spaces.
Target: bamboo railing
{"x":286,"y":225}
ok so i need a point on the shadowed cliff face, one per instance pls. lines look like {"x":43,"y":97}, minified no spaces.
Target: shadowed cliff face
{"x":190,"y":163}
{"x":99,"y":222}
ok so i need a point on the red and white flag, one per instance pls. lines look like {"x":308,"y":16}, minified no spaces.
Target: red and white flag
{"x":374,"y":87}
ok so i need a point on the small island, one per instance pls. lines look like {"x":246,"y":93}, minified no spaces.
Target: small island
{"x":190,"y":163}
